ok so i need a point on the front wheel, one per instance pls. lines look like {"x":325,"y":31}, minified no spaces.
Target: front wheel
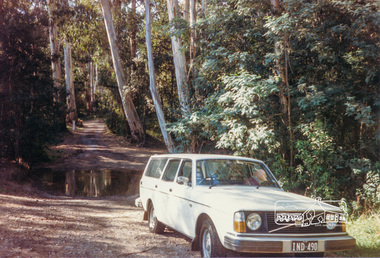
{"x":209,"y":241}
{"x":154,"y":225}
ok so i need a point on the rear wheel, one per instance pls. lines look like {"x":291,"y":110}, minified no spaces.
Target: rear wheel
{"x":154,"y":225}
{"x":209,"y":241}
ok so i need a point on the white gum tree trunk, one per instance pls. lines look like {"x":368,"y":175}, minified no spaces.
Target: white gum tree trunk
{"x":92,"y":84}
{"x":204,"y":8}
{"x":70,"y":91}
{"x":179,"y":63}
{"x":193,"y":20}
{"x":130,"y":112}
{"x":153,"y":89}
{"x":54,"y":45}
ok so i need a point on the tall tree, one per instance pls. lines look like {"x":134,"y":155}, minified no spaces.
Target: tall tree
{"x":179,"y":61}
{"x":133,"y":41}
{"x":130,"y":112}
{"x":281,"y":49}
{"x":186,"y":12}
{"x":70,"y":91}
{"x":153,"y":89}
{"x":92,"y":84}
{"x":193,"y":20}
{"x":54,"y":44}
{"x":204,"y":8}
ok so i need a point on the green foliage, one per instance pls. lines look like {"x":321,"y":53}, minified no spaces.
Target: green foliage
{"x":109,"y":106}
{"x":29,"y":116}
{"x":246,"y":131}
{"x":366,"y":231}
{"x":367,"y":178}
{"x":329,"y":54}
{"x":116,"y":123}
{"x":321,"y":168}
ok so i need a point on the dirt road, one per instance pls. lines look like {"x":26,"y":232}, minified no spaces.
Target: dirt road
{"x":34,"y":223}
{"x":95,"y":147}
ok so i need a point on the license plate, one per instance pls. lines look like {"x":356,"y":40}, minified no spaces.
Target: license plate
{"x":304,"y":246}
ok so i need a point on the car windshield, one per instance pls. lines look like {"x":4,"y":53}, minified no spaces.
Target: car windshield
{"x":233,"y":172}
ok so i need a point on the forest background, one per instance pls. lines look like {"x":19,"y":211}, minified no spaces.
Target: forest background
{"x":293,"y":83}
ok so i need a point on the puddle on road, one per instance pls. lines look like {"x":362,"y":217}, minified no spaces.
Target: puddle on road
{"x":93,"y":183}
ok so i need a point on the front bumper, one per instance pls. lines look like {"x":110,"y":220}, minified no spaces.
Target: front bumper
{"x":276,"y":243}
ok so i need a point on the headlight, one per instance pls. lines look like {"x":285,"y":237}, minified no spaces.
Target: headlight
{"x":254,"y":221}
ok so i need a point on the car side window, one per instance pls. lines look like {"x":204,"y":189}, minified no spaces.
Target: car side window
{"x":184,"y":174}
{"x":171,"y":170}
{"x":155,"y":168}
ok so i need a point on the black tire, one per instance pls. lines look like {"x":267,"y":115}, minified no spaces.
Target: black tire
{"x":154,"y":225}
{"x":309,"y":254}
{"x":209,"y":241}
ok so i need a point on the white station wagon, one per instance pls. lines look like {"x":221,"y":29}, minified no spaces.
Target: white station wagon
{"x":228,"y":203}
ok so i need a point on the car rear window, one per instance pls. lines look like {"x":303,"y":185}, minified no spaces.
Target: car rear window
{"x":155,"y":168}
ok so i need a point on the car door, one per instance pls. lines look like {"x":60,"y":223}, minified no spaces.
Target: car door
{"x":181,"y":206}
{"x":165,"y":189}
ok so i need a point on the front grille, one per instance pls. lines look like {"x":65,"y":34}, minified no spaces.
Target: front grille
{"x":291,"y":228}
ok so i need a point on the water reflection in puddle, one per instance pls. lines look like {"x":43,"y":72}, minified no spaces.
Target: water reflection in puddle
{"x":93,"y":183}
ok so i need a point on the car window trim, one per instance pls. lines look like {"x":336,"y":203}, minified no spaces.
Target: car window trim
{"x":166,"y":166}
{"x":183,"y":160}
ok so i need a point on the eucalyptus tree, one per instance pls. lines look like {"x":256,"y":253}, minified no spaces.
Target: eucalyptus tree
{"x":82,"y":26}
{"x":153,"y":88}
{"x":179,"y":61}
{"x":192,"y":22}
{"x":130,"y":112}
{"x":70,"y":91}
{"x":53,"y":5}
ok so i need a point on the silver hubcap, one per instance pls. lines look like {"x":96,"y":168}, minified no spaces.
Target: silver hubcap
{"x":206,"y":243}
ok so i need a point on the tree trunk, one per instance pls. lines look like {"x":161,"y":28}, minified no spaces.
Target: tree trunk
{"x":130,"y":112}
{"x":186,"y":7}
{"x":96,"y":77}
{"x":193,"y":20}
{"x":92,"y":85}
{"x":153,"y":89}
{"x":179,"y":63}
{"x":55,"y":58}
{"x":54,"y":46}
{"x":204,"y":8}
{"x":284,"y":88}
{"x":134,"y":30}
{"x":70,"y":92}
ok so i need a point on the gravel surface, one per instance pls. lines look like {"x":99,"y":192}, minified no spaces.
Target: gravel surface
{"x":72,"y":227}
{"x":34,"y":223}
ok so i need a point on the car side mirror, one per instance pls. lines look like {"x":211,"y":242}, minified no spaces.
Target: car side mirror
{"x":182,"y":180}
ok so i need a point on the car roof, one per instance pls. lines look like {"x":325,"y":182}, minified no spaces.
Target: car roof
{"x":203,"y":156}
